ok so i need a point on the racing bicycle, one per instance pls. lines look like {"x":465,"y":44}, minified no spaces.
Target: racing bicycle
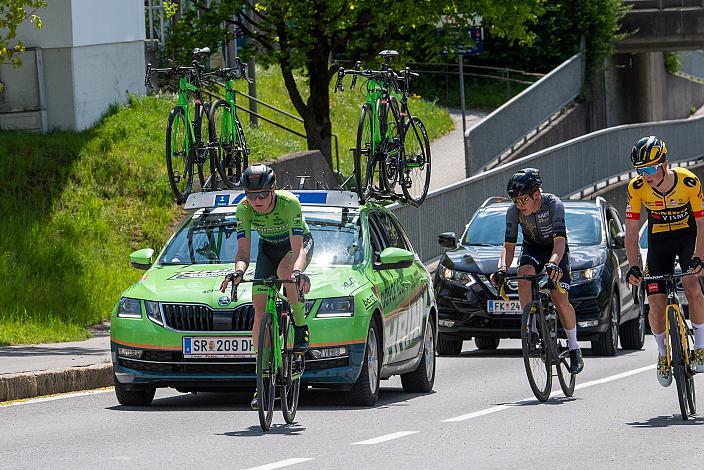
{"x":229,"y":149}
{"x":277,"y":365}
{"x":680,"y":346}
{"x":541,"y":343}
{"x":185,"y":148}
{"x":392,"y":145}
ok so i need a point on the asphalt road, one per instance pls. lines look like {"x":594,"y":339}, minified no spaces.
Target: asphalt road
{"x":481,"y":415}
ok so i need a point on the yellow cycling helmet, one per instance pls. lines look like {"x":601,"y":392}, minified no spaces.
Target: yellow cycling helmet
{"x":648,"y":151}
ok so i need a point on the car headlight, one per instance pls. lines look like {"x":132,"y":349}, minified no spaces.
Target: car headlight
{"x":154,"y":312}
{"x":587,"y":275}
{"x":129,"y":308}
{"x":457,"y":276}
{"x":336,"y":307}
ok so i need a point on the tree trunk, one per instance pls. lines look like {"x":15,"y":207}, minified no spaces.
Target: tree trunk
{"x":317,"y":118}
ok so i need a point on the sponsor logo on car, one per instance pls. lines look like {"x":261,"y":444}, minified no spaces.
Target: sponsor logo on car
{"x":201,"y":274}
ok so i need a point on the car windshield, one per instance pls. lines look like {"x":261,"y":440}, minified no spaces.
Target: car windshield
{"x":212,"y":239}
{"x":489,"y":226}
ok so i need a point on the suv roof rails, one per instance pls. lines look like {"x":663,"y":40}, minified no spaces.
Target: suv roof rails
{"x":494,"y":200}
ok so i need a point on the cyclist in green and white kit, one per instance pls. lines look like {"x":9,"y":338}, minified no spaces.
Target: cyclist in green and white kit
{"x":285,"y":246}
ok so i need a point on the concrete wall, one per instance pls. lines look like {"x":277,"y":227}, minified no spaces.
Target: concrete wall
{"x":309,"y":162}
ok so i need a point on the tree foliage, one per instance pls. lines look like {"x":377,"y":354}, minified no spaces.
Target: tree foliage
{"x":12,"y":14}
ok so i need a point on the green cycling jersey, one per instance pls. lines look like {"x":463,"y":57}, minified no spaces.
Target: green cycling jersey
{"x":278,"y":225}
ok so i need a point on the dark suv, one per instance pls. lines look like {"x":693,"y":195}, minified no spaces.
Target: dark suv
{"x":470,"y":307}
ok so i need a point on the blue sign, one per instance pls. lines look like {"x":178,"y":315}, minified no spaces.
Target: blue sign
{"x":222,"y":200}
{"x":476,"y":33}
{"x":187,"y":345}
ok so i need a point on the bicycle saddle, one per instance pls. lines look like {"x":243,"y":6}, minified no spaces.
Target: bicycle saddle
{"x":388,"y":54}
{"x":205,"y":50}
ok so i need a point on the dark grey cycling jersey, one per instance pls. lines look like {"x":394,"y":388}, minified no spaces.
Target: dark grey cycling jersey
{"x":540,"y":228}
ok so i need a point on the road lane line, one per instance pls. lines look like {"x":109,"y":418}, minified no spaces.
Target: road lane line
{"x":387,"y":437}
{"x":506,"y":406}
{"x":282,"y":463}
{"x":59,"y":396}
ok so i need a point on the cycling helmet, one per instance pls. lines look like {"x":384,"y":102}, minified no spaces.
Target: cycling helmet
{"x":648,"y":151}
{"x":523,"y":182}
{"x":258,"y":178}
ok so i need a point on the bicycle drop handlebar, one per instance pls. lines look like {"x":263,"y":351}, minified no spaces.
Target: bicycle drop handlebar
{"x":269,"y":282}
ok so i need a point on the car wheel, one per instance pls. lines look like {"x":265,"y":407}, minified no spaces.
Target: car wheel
{"x":606,"y":343}
{"x":422,"y":379}
{"x":365,"y":391}
{"x":449,"y":345}
{"x":487,"y":343}
{"x":633,"y":331}
{"x":126,"y":397}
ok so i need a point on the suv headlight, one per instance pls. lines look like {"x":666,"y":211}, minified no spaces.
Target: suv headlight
{"x":336,"y":307}
{"x":587,"y":275}
{"x":457,"y":276}
{"x":129,"y":308}
{"x":154,"y":312}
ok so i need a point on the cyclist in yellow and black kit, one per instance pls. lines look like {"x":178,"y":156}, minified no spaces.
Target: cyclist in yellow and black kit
{"x":674,"y":203}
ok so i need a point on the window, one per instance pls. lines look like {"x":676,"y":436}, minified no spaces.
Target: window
{"x":389,"y":231}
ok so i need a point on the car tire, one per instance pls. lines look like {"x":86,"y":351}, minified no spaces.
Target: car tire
{"x":449,"y":345}
{"x":421,"y":380}
{"x":632,"y":332}
{"x":365,"y":391}
{"x":487,"y":343}
{"x":606,"y":343}
{"x":126,"y":397}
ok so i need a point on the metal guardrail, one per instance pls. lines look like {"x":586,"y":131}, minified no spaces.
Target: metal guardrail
{"x":565,"y":168}
{"x":490,"y":138}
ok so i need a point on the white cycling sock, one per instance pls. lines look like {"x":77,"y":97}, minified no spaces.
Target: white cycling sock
{"x":572,"y":338}
{"x":698,"y":335}
{"x":660,"y":341}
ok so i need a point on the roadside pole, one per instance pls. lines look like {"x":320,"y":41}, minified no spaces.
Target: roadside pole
{"x":464,"y":120}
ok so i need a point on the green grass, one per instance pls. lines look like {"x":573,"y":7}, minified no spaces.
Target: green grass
{"x":74,"y":205}
{"x":479,"y":93}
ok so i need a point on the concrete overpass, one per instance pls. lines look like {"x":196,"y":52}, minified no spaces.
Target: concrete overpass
{"x":662,"y":25}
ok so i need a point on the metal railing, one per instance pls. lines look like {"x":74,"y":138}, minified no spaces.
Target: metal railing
{"x":565,"y":168}
{"x":489,"y":140}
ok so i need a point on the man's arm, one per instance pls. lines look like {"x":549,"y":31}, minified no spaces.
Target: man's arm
{"x":507,"y":254}
{"x":632,"y":227}
{"x":558,"y":249}
{"x":242,"y":258}
{"x":299,"y":253}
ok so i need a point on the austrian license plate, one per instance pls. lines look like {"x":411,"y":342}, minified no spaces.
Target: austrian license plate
{"x":504,"y":307}
{"x":219,"y":346}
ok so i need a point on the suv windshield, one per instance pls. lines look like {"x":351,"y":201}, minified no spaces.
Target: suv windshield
{"x":212,"y":239}
{"x":489,"y":226}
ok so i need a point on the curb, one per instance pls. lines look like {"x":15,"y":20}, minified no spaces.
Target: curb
{"x":48,"y":382}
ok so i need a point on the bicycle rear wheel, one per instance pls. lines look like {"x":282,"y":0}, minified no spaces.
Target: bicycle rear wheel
{"x":179,"y":155}
{"x":678,"y":365}
{"x":293,"y":370}
{"x":536,"y":358}
{"x":364,"y":159}
{"x":391,"y":147}
{"x":415,"y":165}
{"x":266,"y":373}
{"x":566,"y":378}
{"x":691,"y":390}
{"x":228,"y":153}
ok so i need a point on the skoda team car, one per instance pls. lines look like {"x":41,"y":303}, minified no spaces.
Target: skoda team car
{"x":371,"y":310}
{"x":470,"y":307}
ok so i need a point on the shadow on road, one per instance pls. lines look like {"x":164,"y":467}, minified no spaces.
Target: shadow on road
{"x":515,"y":352}
{"x":254,"y":431}
{"x":667,"y":421}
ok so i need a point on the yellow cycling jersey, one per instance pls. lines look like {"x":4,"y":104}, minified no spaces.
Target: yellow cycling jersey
{"x":673,"y":210}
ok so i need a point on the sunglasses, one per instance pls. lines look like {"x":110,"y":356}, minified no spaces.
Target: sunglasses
{"x":520,"y":201}
{"x":648,"y":170}
{"x":254,"y":195}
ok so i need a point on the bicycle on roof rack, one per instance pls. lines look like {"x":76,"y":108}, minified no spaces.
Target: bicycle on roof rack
{"x":392,"y":144}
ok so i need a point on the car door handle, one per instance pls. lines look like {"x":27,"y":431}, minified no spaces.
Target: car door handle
{"x":407,"y":283}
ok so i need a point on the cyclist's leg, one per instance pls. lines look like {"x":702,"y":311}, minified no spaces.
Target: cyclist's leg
{"x":284,"y":271}
{"x":568,"y":319}
{"x":530,"y":263}
{"x":695,"y":301}
{"x":265,"y":267}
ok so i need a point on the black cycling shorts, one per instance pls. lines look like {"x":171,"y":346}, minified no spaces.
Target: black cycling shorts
{"x":270,"y":256}
{"x":662,"y":251}
{"x":537,"y":256}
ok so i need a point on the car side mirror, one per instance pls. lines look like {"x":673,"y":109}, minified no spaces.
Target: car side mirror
{"x":394,"y":258}
{"x":619,"y":240}
{"x":142,"y":259}
{"x":447,"y":240}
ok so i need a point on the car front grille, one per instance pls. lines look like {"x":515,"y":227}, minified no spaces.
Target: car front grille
{"x":197,"y":317}
{"x":232,"y":366}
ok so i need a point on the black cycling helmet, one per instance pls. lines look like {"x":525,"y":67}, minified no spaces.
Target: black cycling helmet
{"x":648,"y":151}
{"x":523,"y":182}
{"x":258,"y":178}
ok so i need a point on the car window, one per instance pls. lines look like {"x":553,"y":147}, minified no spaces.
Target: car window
{"x":612,"y":225}
{"x":375,"y":238}
{"x":389,"y":231}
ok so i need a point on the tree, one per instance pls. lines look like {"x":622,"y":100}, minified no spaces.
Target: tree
{"x":12,"y":14}
{"x":305,"y":35}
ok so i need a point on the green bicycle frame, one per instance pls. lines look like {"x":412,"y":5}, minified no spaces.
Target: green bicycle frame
{"x":272,"y":296}
{"x":185,"y":86}
{"x":227,"y":126}
{"x":373,"y":97}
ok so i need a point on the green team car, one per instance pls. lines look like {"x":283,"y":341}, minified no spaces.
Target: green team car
{"x":371,"y":310}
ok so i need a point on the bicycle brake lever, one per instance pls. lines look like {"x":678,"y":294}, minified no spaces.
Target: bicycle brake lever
{"x":357,"y":66}
{"x":233,"y":292}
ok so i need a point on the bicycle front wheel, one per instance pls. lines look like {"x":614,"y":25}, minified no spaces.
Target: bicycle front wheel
{"x":226,"y":154}
{"x":179,"y":155}
{"x":364,"y":159}
{"x":293,"y":370}
{"x":536,"y":357}
{"x":266,"y":372}
{"x":415,"y":165}
{"x":678,"y":363}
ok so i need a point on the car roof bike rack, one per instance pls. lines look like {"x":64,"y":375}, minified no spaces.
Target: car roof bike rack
{"x":307,"y":197}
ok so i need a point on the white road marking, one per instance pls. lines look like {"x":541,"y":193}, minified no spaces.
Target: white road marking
{"x":387,"y":437}
{"x":280,"y":464}
{"x":59,"y":396}
{"x":506,"y":406}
